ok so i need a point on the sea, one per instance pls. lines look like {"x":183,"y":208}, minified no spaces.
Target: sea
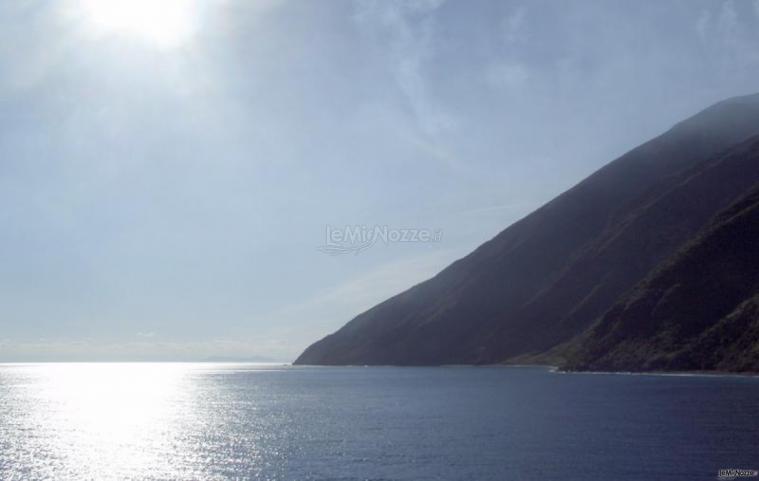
{"x":241,"y":422}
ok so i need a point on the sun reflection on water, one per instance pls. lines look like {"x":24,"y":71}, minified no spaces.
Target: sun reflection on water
{"x":99,"y":421}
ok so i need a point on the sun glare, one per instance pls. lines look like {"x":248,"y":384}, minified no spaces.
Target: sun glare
{"x":163,"y":23}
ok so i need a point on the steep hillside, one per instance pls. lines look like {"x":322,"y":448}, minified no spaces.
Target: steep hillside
{"x":699,"y":311}
{"x":551,"y":275}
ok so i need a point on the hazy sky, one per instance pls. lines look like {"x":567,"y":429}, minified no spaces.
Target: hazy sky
{"x":167,"y":173}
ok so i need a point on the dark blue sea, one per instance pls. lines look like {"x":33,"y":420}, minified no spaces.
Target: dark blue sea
{"x":208,"y":422}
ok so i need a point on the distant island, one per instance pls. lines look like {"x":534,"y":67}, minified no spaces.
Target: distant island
{"x":651,"y":263}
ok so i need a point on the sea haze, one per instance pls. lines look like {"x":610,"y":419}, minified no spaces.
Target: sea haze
{"x":166,"y":421}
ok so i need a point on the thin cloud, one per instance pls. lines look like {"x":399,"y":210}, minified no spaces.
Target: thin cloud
{"x":410,"y":29}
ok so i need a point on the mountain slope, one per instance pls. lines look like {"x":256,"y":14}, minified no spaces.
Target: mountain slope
{"x":700,"y":311}
{"x":552,"y":274}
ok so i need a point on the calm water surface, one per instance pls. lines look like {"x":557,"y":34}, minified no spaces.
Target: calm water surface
{"x":124,"y":422}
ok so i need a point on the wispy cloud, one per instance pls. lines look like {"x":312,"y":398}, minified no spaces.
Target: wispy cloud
{"x":506,"y":71}
{"x":727,"y":23}
{"x":514,"y":26}
{"x":730,"y":36}
{"x":409,"y":28}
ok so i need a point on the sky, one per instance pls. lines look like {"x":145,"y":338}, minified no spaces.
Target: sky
{"x":170,"y":174}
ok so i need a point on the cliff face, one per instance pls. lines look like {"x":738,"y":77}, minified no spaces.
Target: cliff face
{"x":550,"y":276}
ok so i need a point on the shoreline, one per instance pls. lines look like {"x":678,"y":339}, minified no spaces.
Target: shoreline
{"x":548,"y":367}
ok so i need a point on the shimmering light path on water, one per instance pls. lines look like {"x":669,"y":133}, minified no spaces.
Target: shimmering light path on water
{"x":151,"y":422}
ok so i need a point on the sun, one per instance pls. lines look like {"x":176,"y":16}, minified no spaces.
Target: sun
{"x":163,"y":23}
